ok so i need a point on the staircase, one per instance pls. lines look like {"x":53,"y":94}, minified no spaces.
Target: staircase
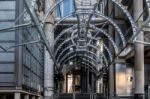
{"x":80,"y":96}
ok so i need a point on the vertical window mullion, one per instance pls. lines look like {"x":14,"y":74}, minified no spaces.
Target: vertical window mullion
{"x":62,"y":9}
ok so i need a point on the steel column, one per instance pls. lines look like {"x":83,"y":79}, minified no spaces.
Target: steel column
{"x":139,"y":53}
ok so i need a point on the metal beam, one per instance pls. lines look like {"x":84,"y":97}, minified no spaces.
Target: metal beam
{"x":90,"y":17}
{"x":51,"y":9}
{"x":25,"y":43}
{"x":16,"y":26}
{"x":78,"y":19}
{"x":146,"y":43}
{"x":40,"y":30}
{"x":126,"y":12}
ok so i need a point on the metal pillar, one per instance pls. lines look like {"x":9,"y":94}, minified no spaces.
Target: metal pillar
{"x":65,"y":83}
{"x":139,"y":53}
{"x":26,"y":96}
{"x":17,"y":96}
{"x":48,"y":76}
{"x":111,"y":82}
{"x":93,"y":83}
{"x":18,"y":51}
{"x":49,"y":65}
{"x":88,"y":84}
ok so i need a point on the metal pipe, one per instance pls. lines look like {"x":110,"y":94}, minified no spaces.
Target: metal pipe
{"x":16,"y":26}
{"x":90,"y":17}
{"x":26,"y":43}
{"x":147,"y":43}
{"x":78,"y":19}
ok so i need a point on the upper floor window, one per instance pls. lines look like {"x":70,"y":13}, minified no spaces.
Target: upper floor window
{"x":7,"y":10}
{"x":64,"y":8}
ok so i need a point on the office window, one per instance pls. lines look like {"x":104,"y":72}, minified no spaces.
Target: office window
{"x":64,"y":8}
{"x":7,"y":15}
{"x":7,"y":67}
{"x":7,"y":5}
{"x":7,"y":57}
{"x":26,"y":79}
{"x":6,"y":77}
{"x":7,"y":39}
{"x":31,"y":59}
{"x":7,"y":10}
{"x":67,"y":7}
{"x":6,"y":36}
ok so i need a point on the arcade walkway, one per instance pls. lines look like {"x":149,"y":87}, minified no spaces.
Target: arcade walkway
{"x":74,"y":49}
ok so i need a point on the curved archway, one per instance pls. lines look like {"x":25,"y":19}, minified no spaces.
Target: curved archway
{"x":64,"y":58}
{"x":93,"y":27}
{"x":74,"y":52}
{"x":73,"y":56}
{"x":67,"y":48}
{"x":50,"y":10}
{"x":86,"y":62}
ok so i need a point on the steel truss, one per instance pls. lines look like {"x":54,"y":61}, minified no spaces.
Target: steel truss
{"x":94,"y":47}
{"x":97,"y":14}
{"x":58,"y":58}
{"x":92,"y":27}
{"x":64,"y":58}
{"x":51,"y":10}
{"x":83,"y":58}
{"x":136,"y":30}
{"x":122,"y":37}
